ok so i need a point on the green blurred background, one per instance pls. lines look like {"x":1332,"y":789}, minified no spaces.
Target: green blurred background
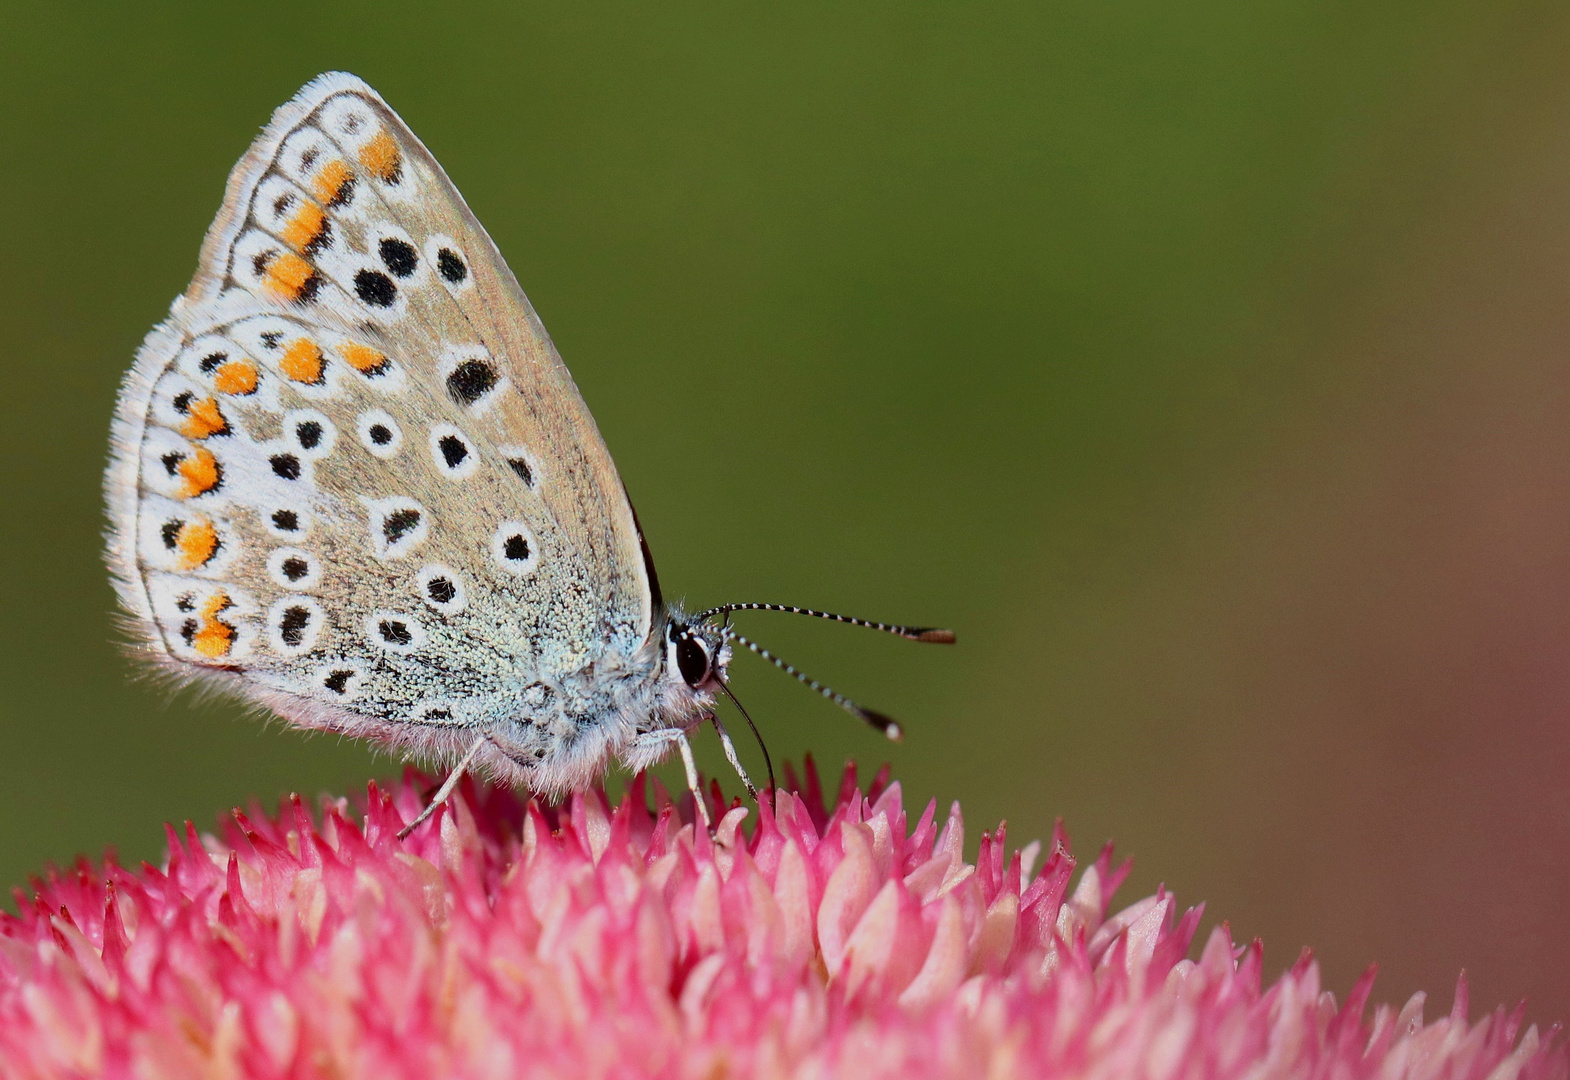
{"x":1204,"y":365}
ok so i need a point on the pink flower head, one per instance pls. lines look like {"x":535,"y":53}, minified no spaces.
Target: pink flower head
{"x":506,"y":939}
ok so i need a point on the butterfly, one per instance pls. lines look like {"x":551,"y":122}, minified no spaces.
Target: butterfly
{"x":352,"y":481}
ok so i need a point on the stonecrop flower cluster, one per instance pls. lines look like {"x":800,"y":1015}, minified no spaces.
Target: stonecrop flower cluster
{"x":507,"y":939}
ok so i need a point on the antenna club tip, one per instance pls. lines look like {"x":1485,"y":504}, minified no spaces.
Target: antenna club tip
{"x":886,"y":724}
{"x":936,"y":636}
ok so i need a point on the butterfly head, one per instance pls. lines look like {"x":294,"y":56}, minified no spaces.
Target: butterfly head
{"x":697,"y":653}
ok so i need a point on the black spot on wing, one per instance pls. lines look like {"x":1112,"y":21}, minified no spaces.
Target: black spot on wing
{"x":395,"y":632}
{"x":399,"y":256}
{"x":309,"y":434}
{"x":375,"y":288}
{"x":453,"y":449}
{"x":471,"y":380}
{"x":398,"y":524}
{"x":308,"y":289}
{"x":292,"y":624}
{"x":451,"y":266}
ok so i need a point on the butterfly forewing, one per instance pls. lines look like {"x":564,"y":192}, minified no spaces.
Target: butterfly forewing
{"x":351,"y":465}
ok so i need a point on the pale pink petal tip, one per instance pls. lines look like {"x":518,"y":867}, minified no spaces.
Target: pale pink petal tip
{"x":506,"y":939}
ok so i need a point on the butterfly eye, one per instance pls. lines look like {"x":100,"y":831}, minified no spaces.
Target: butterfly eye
{"x":692,"y":658}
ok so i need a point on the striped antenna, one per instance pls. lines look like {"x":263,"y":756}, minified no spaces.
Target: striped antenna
{"x":911,"y":633}
{"x":886,"y":724}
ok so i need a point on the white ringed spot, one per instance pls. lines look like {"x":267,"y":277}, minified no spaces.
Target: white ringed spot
{"x":294,"y":624}
{"x":394,"y":632}
{"x":288,"y":522}
{"x":452,"y":452}
{"x":310,"y":432}
{"x":442,"y":588}
{"x":451,"y":264}
{"x":397,"y":254}
{"x":524,"y":465}
{"x":398,"y":525}
{"x":514,"y":548}
{"x":472,"y":378}
{"x":294,"y":568}
{"x":341,"y":680}
{"x":379,"y":433}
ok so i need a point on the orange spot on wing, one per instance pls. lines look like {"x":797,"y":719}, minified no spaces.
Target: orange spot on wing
{"x":381,"y":158}
{"x":332,"y":181}
{"x":302,"y":361}
{"x":235,"y":377}
{"x":213,"y":638}
{"x":200,"y":473}
{"x":198,"y":542}
{"x":304,"y":227}
{"x":202,"y":419}
{"x":291,"y":277}
{"x":362,"y":358}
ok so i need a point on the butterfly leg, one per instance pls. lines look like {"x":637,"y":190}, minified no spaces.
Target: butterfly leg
{"x":730,"y":756}
{"x":444,"y":791}
{"x":651,"y":746}
{"x":691,"y":766}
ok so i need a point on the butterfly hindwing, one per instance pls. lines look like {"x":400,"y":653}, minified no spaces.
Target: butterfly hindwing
{"x":351,"y":467}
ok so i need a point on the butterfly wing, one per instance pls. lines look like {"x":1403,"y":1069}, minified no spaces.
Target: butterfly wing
{"x":351,"y":469}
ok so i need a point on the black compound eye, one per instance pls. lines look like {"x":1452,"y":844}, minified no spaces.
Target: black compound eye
{"x":692,"y":657}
